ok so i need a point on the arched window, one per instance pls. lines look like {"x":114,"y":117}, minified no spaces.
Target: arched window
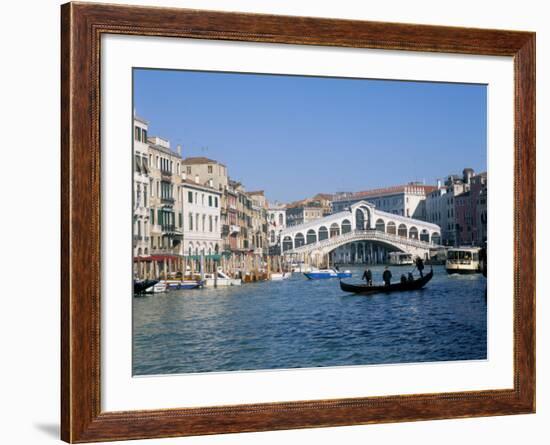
{"x":413,"y":233}
{"x":424,"y":236}
{"x":281,"y":219}
{"x":272,"y":236}
{"x":346,"y":226}
{"x":139,"y":251}
{"x":334,"y":230}
{"x":380,"y":225}
{"x":402,"y":230}
{"x":299,"y":240}
{"x":323,"y":233}
{"x":436,"y":238}
{"x":390,"y":228}
{"x":311,"y":237}
{"x":359,"y":220}
{"x":287,"y":243}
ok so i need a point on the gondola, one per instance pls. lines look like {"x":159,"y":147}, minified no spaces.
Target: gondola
{"x":395,"y":287}
{"x":140,"y":286}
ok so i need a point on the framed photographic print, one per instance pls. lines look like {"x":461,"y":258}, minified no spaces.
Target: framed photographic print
{"x":276,"y":222}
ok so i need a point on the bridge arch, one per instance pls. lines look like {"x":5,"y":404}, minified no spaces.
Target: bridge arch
{"x":299,"y":240}
{"x":323,"y":233}
{"x":334,"y":230}
{"x":346,"y":226}
{"x":436,"y":238}
{"x":311,"y":237}
{"x":380,"y":225}
{"x":391,"y":228}
{"x":287,"y":243}
{"x":413,"y":233}
{"x":402,"y":230}
{"x":424,"y":236}
{"x":359,"y":219}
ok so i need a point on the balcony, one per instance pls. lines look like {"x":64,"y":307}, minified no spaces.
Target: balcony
{"x":166,"y":174}
{"x":171,"y":230}
{"x":169,"y":201}
{"x":233,"y":229}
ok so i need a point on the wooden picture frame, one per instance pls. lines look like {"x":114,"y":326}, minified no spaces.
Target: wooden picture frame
{"x":82,"y":26}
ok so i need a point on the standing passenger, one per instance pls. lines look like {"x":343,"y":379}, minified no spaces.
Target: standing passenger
{"x":420,"y":266}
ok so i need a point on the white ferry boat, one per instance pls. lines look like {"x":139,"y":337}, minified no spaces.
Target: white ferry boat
{"x":400,"y":258}
{"x":463,"y":260}
{"x":222,"y":279}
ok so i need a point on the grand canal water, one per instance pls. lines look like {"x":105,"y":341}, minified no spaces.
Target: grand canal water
{"x":300,"y":323}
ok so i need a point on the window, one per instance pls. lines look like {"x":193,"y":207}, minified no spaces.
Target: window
{"x":144,"y":195}
{"x":190,"y":197}
{"x":190,"y":221}
{"x":216,"y":201}
{"x":137,"y":133}
{"x":188,"y":169}
{"x":210,"y":169}
{"x":180,"y":219}
{"x":144,"y":135}
{"x":209,"y":201}
{"x":210,"y":226}
{"x":152,"y":216}
{"x":202,"y":195}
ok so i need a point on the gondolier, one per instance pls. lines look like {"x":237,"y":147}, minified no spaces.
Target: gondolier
{"x":420,"y":266}
{"x":386,"y":276}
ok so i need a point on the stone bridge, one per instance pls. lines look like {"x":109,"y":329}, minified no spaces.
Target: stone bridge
{"x":362,"y":222}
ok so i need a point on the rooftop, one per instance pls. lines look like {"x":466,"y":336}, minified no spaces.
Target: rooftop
{"x":197,"y":160}
{"x":385,"y":191}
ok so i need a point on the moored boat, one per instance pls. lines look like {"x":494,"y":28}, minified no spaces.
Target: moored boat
{"x":400,"y":258}
{"x":220,"y":279}
{"x":276,"y":276}
{"x":140,"y":286}
{"x":364,"y":289}
{"x":176,"y":284}
{"x":463,"y":260}
{"x":319,"y":274}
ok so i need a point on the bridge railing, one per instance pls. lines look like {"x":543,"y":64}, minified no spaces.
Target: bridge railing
{"x":362,"y":235}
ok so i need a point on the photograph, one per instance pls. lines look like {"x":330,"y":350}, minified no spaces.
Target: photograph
{"x":287,"y":221}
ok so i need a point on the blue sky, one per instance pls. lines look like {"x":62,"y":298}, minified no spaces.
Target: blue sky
{"x":295,"y":136}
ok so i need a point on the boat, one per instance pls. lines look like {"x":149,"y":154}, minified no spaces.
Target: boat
{"x":156,"y":288}
{"x":222,"y":279}
{"x":300,"y":267}
{"x":400,"y":258}
{"x":140,"y":286}
{"x":395,"y":287}
{"x":276,"y":276}
{"x":463,"y":260}
{"x":319,"y":274}
{"x":176,"y":284}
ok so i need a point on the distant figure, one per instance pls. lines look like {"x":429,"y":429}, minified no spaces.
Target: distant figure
{"x":386,"y":276}
{"x":420,"y":266}
{"x":337,"y":268}
{"x":403,"y":279}
{"x":410,"y":277}
{"x":367,"y":276}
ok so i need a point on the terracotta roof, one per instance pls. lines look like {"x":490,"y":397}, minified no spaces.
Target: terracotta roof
{"x":386,"y":191}
{"x":199,"y":160}
{"x":257,"y":192}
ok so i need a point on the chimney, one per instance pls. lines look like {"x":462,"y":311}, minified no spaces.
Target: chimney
{"x":196,"y":179}
{"x":211,"y":182}
{"x":467,"y":174}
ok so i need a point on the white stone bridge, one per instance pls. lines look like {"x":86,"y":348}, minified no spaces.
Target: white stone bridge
{"x":362,"y":222}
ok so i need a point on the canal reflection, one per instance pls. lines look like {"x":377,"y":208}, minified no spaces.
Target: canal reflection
{"x":299,"y":323}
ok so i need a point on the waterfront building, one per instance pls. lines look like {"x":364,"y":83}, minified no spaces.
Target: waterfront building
{"x":258,"y":232}
{"x":302,"y":213}
{"x":405,"y":200}
{"x":276,"y":220}
{"x":202,"y":228}
{"x":206,"y":171}
{"x":165,"y":205}
{"x":453,"y":207}
{"x":141,"y":222}
{"x":230,"y":226}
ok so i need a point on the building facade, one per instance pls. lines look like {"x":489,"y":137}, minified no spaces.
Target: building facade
{"x":404,"y":200}
{"x":202,"y":228}
{"x":276,"y":220}
{"x":141,"y":222}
